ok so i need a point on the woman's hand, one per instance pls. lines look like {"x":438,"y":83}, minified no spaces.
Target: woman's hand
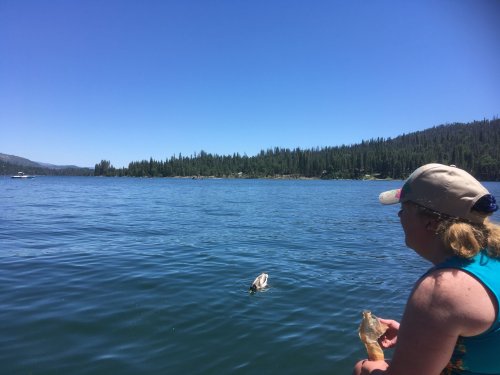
{"x":390,"y":337}
{"x":387,"y":340}
{"x":367,"y":367}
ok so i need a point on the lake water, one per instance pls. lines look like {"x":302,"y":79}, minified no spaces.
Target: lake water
{"x":151,"y":276}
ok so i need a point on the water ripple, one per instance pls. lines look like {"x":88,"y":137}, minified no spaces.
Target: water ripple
{"x":135,"y":276}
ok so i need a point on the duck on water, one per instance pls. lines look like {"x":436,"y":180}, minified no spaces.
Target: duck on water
{"x":259,"y":283}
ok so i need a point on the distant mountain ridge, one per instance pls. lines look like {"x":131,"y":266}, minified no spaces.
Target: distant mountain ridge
{"x":10,"y":164}
{"x":53,"y":166}
{"x":16,"y":160}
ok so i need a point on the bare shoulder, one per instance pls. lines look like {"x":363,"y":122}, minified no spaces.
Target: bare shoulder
{"x":444,"y":305}
{"x":428,"y":333}
{"x":457,"y":298}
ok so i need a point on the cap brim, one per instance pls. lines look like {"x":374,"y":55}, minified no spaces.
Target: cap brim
{"x":390,"y":197}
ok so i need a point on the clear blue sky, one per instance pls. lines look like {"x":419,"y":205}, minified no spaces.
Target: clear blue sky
{"x":123,"y":80}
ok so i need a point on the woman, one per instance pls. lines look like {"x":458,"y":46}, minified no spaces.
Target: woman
{"x":451,"y":323}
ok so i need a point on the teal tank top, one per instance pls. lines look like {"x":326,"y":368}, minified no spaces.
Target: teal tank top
{"x":478,"y":355}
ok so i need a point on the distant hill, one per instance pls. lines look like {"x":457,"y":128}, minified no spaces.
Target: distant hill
{"x":11,"y":164}
{"x":18,"y":161}
{"x":52,"y":166}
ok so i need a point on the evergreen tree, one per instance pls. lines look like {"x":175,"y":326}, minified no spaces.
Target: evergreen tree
{"x":474,"y":147}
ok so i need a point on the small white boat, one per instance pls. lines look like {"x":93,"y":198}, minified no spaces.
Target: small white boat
{"x":22,"y":175}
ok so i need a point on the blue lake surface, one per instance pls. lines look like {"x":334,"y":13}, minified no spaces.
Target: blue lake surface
{"x":151,"y":276}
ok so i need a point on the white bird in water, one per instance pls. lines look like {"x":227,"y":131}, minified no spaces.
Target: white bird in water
{"x":259,"y":283}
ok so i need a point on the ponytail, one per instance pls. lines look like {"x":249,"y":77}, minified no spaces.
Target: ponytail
{"x":493,"y":238}
{"x":466,"y":239}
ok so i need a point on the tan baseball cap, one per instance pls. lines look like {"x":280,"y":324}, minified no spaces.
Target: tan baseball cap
{"x":446,"y":189}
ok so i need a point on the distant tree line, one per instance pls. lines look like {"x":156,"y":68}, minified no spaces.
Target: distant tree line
{"x":12,"y":169}
{"x":474,"y":147}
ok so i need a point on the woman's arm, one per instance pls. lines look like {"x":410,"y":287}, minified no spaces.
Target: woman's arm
{"x":444,"y":305}
{"x":427,"y":335}
{"x":429,"y":329}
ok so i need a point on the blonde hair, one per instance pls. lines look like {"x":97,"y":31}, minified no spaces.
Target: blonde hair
{"x":466,"y":239}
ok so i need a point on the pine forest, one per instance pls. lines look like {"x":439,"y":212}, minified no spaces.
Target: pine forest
{"x":474,"y":147}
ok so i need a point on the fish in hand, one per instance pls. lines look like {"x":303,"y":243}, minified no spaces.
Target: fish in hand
{"x":370,"y":330}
